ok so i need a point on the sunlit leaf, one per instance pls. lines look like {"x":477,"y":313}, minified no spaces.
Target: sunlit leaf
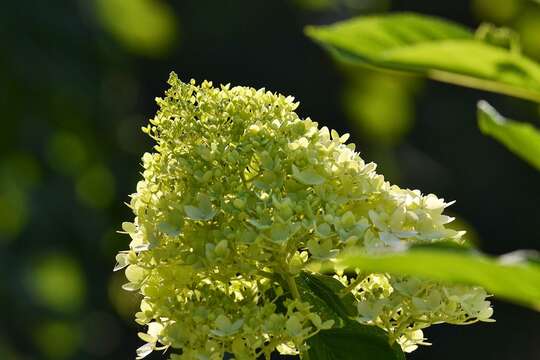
{"x":515,"y":277}
{"x":432,"y":47}
{"x":521,"y":138}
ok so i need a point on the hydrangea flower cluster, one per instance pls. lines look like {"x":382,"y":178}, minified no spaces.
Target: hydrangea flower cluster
{"x":238,"y":195}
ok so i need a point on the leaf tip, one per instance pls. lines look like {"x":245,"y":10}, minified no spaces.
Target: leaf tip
{"x":486,"y":112}
{"x":311,"y":31}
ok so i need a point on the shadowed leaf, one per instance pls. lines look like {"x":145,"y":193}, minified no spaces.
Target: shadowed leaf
{"x":353,"y":342}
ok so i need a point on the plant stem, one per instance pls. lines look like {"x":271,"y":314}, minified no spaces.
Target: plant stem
{"x":346,"y":290}
{"x":291,"y":283}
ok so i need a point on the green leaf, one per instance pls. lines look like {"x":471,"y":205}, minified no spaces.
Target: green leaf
{"x":431,"y":47}
{"x":281,"y":232}
{"x":328,"y":288}
{"x":195,"y":213}
{"x":349,"y":339}
{"x":515,"y":276}
{"x":353,"y":342}
{"x":521,"y":138}
{"x":204,"y":211}
{"x":319,"y":304}
{"x":307,"y":176}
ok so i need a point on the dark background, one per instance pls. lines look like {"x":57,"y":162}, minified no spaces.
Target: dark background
{"x":78,"y":79}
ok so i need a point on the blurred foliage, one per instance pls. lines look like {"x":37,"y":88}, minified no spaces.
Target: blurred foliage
{"x":6,"y":351}
{"x":67,"y":153}
{"x":521,"y":138}
{"x":366,"y":97}
{"x":347,"y":5}
{"x":471,"y":237}
{"x":78,"y":81}
{"x":438,"y":49}
{"x":56,"y":281}
{"x":513,"y":276}
{"x":521,"y":15}
{"x":125,"y":303}
{"x":496,"y":11}
{"x":19,"y":174}
{"x":528,"y":25}
{"x":13,"y":211}
{"x":57,"y":339}
{"x":366,"y":102}
{"x":95,"y":187}
{"x":148,"y":27}
{"x":317,"y":5}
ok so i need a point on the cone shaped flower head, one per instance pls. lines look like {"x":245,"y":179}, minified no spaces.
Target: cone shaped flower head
{"x":238,"y":194}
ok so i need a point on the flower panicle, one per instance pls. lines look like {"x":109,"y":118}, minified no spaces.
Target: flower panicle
{"x":237,"y":196}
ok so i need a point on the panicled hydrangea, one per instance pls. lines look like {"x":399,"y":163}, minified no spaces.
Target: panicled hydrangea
{"x":238,"y":194}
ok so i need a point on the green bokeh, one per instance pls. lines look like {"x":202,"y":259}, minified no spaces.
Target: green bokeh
{"x":56,"y":281}
{"x":316,"y":5}
{"x":23,"y":169}
{"x":528,"y":25}
{"x":496,"y":11}
{"x":6,"y":351}
{"x":125,"y":303}
{"x":57,"y":339}
{"x":67,"y":153}
{"x":96,"y":187}
{"x":13,"y":212}
{"x":380,"y":105}
{"x":147,"y":27}
{"x":19,"y":174}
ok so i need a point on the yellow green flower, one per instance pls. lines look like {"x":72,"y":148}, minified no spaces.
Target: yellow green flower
{"x":238,"y":194}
